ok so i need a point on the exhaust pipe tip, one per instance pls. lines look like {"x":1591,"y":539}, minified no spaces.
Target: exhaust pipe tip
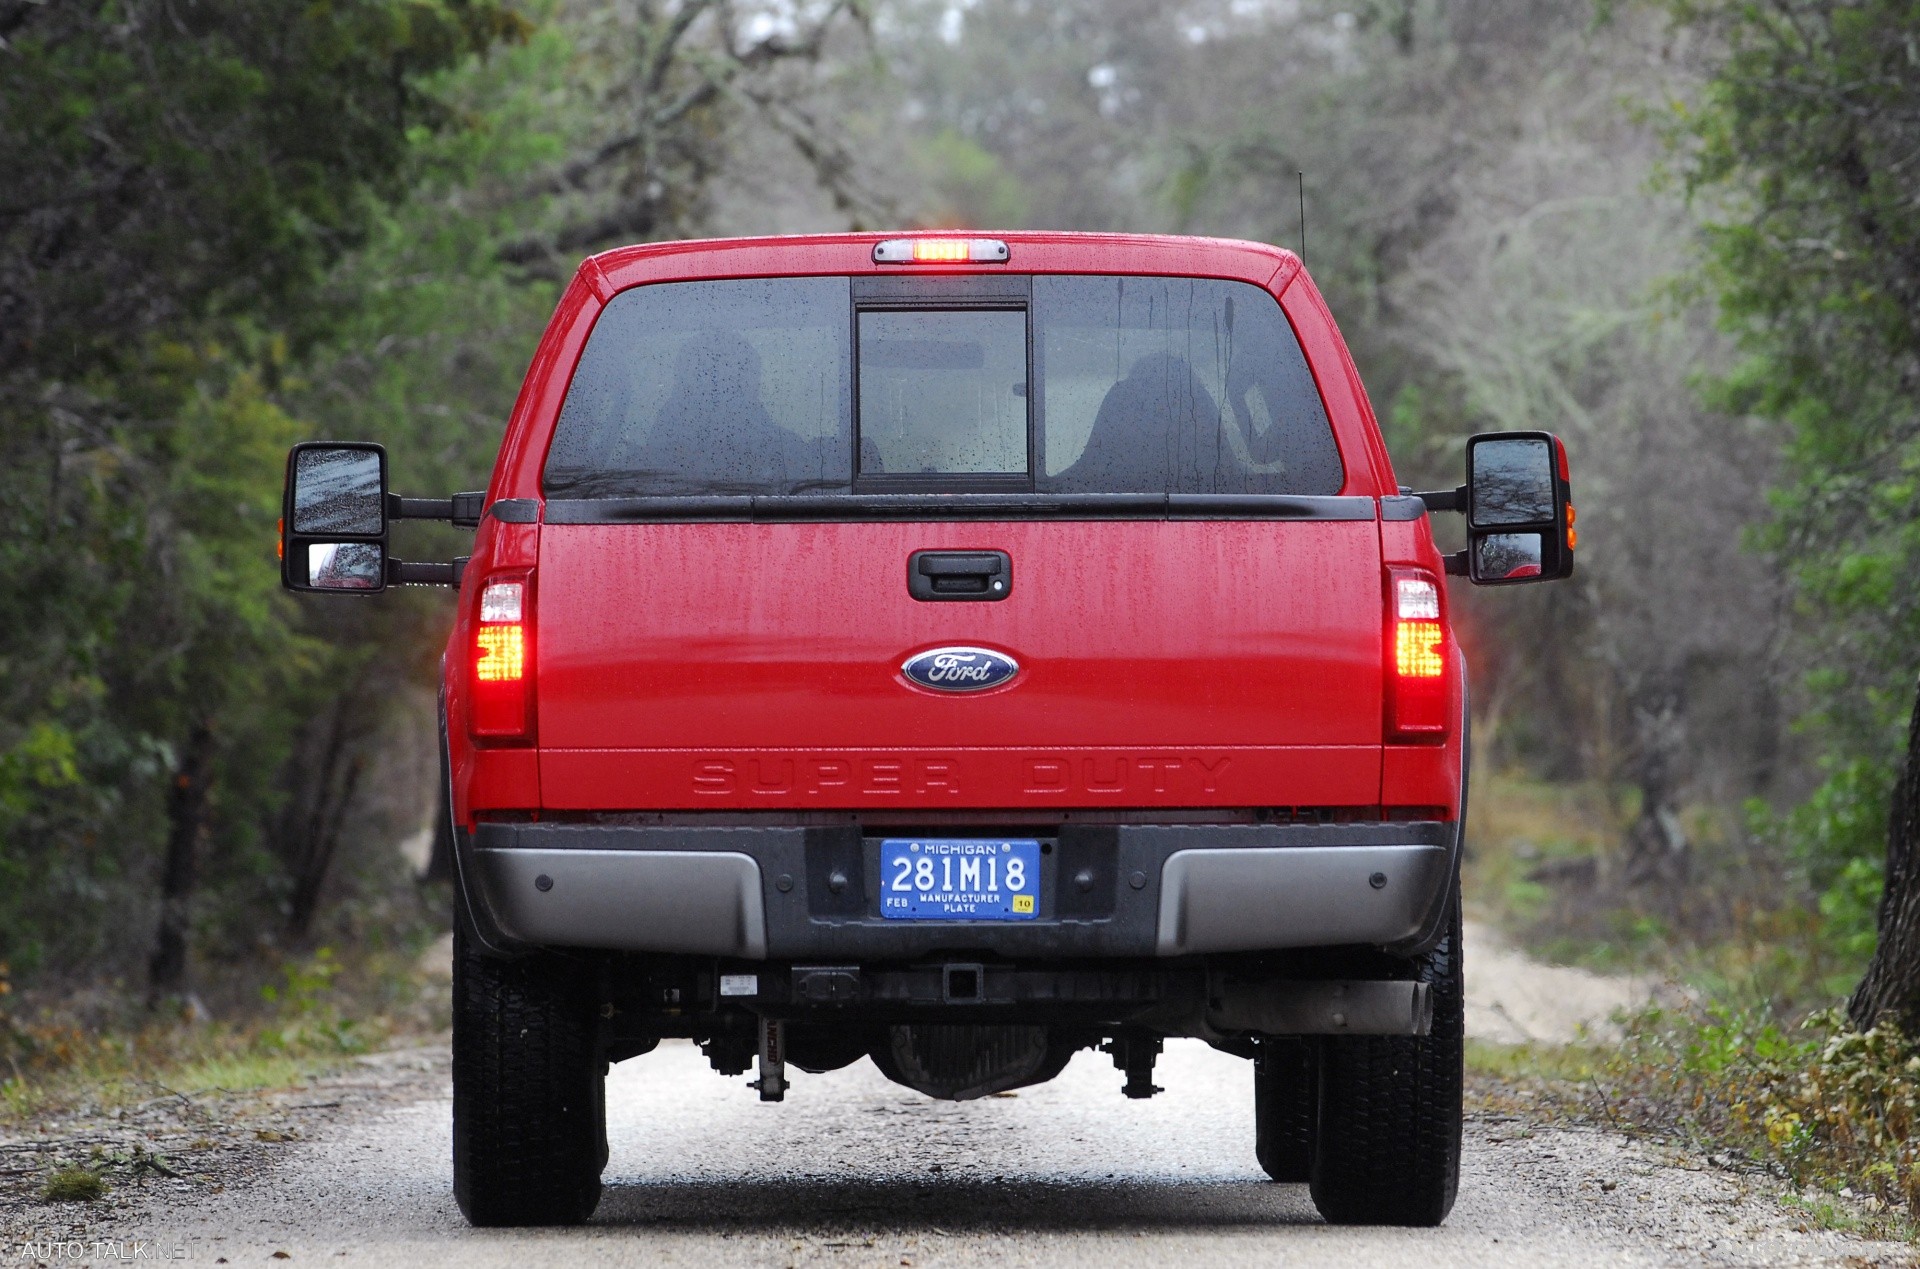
{"x":1325,"y":1007}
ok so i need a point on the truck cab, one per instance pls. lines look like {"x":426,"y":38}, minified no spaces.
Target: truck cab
{"x":954,"y":653}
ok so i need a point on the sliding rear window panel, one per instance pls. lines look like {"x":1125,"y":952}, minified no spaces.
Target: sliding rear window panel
{"x":931,"y":294}
{"x":941,"y":294}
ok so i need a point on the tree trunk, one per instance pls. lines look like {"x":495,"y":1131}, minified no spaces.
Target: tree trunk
{"x":186,"y":824}
{"x":333,"y":793}
{"x":1891,"y":988}
{"x":317,"y":862}
{"x":1657,"y":847}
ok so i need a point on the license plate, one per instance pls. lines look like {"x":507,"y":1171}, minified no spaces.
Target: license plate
{"x":959,"y":879}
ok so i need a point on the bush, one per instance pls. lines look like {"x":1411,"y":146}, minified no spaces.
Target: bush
{"x":74,"y":1185}
{"x":311,"y":1017}
{"x":1820,"y":1104}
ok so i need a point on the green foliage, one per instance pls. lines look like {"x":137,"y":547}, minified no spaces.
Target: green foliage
{"x":91,"y":1052}
{"x":968,"y":187}
{"x":187,"y":182}
{"x":1522,"y":1063}
{"x":1836,"y":840}
{"x":74,"y":1184}
{"x":1828,"y":1106}
{"x":1804,"y":141}
{"x":1851,"y":906}
{"x":1804,"y":136}
{"x":431,"y":332}
{"x":42,"y":759}
{"x":171,"y":163}
{"x":310,"y":1015}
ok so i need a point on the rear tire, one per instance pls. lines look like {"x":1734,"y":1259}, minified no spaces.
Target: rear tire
{"x":1283,"y":1108}
{"x":529,"y":1090}
{"x":1387,"y":1139}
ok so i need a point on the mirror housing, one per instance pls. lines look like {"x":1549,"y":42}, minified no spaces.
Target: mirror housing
{"x":333,"y":518}
{"x":1519,"y":507}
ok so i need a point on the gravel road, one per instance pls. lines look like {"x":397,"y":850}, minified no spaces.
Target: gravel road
{"x":853,"y":1171}
{"x":1514,"y":999}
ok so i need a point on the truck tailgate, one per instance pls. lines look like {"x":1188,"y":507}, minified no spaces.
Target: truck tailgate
{"x":1162,"y":663}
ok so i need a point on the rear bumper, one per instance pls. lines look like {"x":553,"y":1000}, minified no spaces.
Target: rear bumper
{"x":763,"y":893}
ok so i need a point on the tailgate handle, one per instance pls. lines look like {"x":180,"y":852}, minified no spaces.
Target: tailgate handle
{"x":949,"y":575}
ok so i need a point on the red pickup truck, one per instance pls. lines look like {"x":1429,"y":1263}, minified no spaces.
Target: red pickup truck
{"x":958,"y":653}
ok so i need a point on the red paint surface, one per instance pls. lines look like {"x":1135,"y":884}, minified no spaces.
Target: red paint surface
{"x":1134,"y":635}
{"x":734,"y":666}
{"x":918,"y":778}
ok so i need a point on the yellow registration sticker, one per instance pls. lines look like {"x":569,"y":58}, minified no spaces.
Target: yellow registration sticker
{"x":1023,"y":903}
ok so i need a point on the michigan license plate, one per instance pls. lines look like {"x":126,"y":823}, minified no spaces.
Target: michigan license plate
{"x":959,"y":879}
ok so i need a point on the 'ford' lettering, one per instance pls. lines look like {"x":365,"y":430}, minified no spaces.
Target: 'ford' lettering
{"x":960,"y":669}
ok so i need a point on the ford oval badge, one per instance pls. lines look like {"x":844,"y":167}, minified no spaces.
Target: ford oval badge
{"x":960,"y":669}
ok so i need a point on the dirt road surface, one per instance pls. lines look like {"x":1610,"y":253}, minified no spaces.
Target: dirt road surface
{"x":854,"y":1171}
{"x":1514,"y":999}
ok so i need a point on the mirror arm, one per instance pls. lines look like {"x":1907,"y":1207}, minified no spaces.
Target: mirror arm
{"x":1445,"y":499}
{"x":404,"y":573}
{"x":462,"y":510}
{"x":1456,"y":563}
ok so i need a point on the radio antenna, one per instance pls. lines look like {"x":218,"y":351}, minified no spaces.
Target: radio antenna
{"x":1303,"y":215}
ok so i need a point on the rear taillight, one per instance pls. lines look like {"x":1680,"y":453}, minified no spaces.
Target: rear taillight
{"x":501,"y":657}
{"x":1417,"y":669}
{"x":502,"y":654}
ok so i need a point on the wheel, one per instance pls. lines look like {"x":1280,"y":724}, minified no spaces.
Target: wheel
{"x":1283,"y":1097}
{"x":1387,"y":1138}
{"x":529,"y":1090}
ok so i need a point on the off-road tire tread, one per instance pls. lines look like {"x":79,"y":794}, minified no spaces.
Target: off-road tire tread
{"x":1387,"y":1140}
{"x":1283,"y":1108}
{"x":529,"y":1110}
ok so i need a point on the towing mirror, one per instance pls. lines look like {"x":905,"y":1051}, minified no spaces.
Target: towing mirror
{"x":1519,"y":513}
{"x":1519,"y":509}
{"x":333,"y":526}
{"x":335,"y":515}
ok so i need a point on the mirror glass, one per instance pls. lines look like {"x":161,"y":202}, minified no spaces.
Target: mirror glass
{"x":346,"y":565}
{"x":1507,"y":557}
{"x":337,"y":491}
{"x":1512,"y":481}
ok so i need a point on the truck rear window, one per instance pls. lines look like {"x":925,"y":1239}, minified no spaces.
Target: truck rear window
{"x":1176,"y":385}
{"x":943,"y":393}
{"x":1093,"y":385}
{"x":735,"y":387}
